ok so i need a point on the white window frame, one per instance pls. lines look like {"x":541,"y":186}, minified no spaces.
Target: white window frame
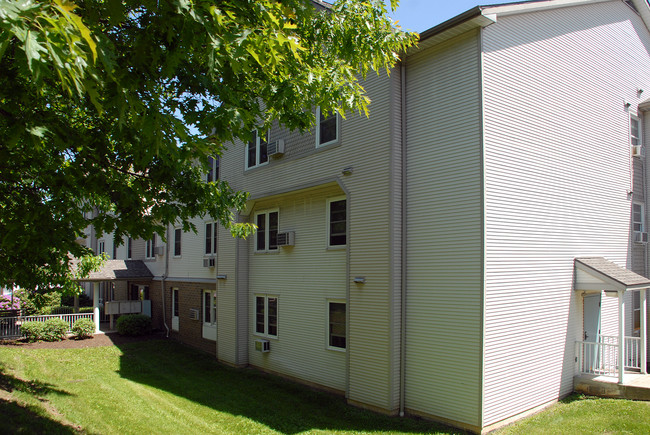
{"x":129,"y":248}
{"x":267,"y":232}
{"x":258,"y":147}
{"x":213,"y":239}
{"x":328,"y":218}
{"x":175,"y":305}
{"x":318,"y":121}
{"x":178,"y":241}
{"x":327,"y":326}
{"x":633,"y":138}
{"x":266,"y":298}
{"x":214,"y":164}
{"x":150,"y":248}
{"x":101,"y":247}
{"x":641,"y":224}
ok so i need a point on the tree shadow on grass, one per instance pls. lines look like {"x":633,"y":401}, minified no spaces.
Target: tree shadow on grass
{"x":279,"y":404}
{"x":35,"y":388}
{"x":27,"y":419}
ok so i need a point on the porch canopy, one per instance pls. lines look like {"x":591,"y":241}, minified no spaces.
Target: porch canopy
{"x":114,"y":270}
{"x":120,"y":270}
{"x":596,"y":274}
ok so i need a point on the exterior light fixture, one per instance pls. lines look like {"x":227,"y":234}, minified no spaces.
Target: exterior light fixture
{"x":359,"y":279}
{"x":223,"y":276}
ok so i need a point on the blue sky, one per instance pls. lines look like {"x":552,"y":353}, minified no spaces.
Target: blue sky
{"x":420,"y":15}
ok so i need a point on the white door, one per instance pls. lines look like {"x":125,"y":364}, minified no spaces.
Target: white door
{"x":210,"y":314}
{"x":592,"y":330}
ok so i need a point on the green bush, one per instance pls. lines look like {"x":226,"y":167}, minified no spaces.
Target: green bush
{"x":134,"y":324}
{"x":86,"y":310}
{"x":83,"y":328}
{"x":58,"y":310}
{"x":55,"y":329}
{"x":34,"y":303}
{"x":32,"y":331}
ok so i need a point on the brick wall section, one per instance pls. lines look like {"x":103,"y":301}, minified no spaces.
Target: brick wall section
{"x":189,"y":297}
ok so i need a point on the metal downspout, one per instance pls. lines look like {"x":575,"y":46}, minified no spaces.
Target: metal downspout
{"x":162,"y":287}
{"x":402,"y":369}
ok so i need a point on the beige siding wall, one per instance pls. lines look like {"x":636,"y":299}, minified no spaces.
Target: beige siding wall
{"x":555,"y":87}
{"x":364,"y":145}
{"x":303,"y":278}
{"x":444,"y":231}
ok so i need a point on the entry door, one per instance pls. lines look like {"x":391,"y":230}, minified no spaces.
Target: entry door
{"x":210,"y":314}
{"x":592,"y":330}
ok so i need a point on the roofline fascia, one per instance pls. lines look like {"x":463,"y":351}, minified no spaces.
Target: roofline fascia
{"x":452,"y":22}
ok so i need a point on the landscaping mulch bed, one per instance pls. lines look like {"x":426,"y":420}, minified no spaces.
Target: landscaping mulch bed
{"x":97,"y":340}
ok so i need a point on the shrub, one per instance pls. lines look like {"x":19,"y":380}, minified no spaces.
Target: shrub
{"x":86,"y":310}
{"x":55,"y":329}
{"x":5,"y":303}
{"x":84,"y":300}
{"x":57,"y":310}
{"x":83,"y":328}
{"x":32,"y":331}
{"x":134,"y":324}
{"x":33,"y":302}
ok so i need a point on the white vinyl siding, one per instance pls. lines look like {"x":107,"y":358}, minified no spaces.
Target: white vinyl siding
{"x":547,"y":201}
{"x":444,"y":237}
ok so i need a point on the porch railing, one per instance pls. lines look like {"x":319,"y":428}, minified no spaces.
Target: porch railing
{"x":601,"y":357}
{"x":10,"y":326}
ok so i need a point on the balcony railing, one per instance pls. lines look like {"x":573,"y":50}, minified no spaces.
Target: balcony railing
{"x":601,"y":357}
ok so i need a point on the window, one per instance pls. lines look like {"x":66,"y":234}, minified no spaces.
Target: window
{"x":266,"y":315}
{"x":210,"y":238}
{"x":151,"y":247}
{"x":213,"y":172}
{"x":266,"y":236}
{"x":129,"y":248}
{"x":337,"y":325}
{"x":337,"y":222}
{"x":327,"y":128}
{"x":178,"y":232}
{"x":635,"y":131}
{"x":256,"y":151}
{"x":101,"y":247}
{"x":114,"y":249}
{"x":638,"y":218}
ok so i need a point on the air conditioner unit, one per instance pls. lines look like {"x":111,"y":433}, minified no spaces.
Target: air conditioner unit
{"x":275,"y":148}
{"x":638,"y":151}
{"x":209,"y":262}
{"x":194,"y":314}
{"x":640,"y":237}
{"x":286,"y":239}
{"x":262,"y":346}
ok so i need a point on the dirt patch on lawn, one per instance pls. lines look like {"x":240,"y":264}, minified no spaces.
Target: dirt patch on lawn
{"x":97,"y":340}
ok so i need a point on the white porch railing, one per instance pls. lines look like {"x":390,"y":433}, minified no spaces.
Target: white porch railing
{"x":601,"y":357}
{"x":10,"y":326}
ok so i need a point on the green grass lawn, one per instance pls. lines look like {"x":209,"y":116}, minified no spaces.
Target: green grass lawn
{"x":163,"y":387}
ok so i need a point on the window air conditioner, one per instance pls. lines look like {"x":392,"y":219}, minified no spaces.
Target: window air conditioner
{"x":275,"y":148}
{"x":286,"y":239}
{"x":194,"y":314}
{"x":159,"y":250}
{"x":209,"y":262}
{"x":638,"y":151}
{"x":262,"y":346}
{"x":640,"y":237}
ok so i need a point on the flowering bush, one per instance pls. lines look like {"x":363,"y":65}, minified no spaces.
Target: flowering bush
{"x":5,"y":303}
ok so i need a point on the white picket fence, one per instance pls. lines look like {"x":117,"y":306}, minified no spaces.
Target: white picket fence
{"x":10,"y":326}
{"x":601,"y":357}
